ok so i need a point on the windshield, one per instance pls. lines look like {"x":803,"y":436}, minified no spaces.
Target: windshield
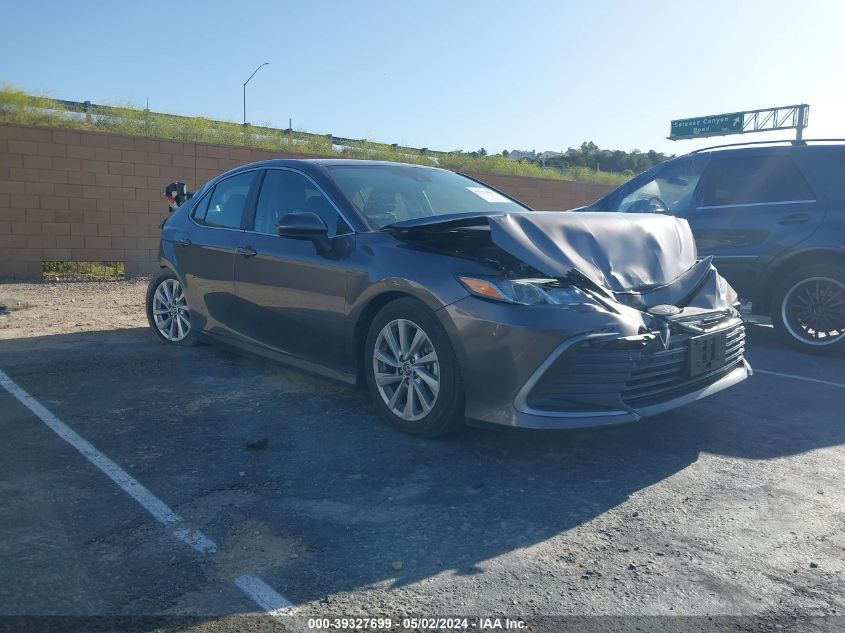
{"x":386,"y":194}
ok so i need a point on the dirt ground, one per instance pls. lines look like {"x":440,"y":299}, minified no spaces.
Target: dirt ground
{"x":40,"y":309}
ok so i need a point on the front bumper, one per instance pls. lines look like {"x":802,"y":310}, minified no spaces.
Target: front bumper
{"x":536,"y":419}
{"x":553,"y":368}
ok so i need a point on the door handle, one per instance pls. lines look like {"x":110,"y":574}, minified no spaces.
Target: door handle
{"x":183,"y":241}
{"x":246,"y":251}
{"x":795,"y":218}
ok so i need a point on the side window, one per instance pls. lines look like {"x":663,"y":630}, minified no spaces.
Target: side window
{"x":200,"y":209}
{"x":224,"y":206}
{"x":669,"y":191}
{"x":734,"y":180}
{"x":284,"y":192}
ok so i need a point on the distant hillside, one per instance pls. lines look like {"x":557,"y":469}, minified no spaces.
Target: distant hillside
{"x":591,"y":158}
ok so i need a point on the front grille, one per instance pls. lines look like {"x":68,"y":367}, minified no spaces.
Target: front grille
{"x":599,"y":376}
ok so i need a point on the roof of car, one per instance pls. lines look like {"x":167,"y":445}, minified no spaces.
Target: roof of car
{"x":786,"y":145}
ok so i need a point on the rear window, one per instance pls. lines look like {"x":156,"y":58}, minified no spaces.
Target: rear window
{"x":735,"y":180}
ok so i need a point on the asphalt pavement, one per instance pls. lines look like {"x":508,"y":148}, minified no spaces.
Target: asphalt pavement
{"x":731,"y":506}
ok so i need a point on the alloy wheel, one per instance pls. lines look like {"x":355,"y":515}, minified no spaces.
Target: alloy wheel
{"x":170,"y":311}
{"x":407,"y":370}
{"x":813,"y":311}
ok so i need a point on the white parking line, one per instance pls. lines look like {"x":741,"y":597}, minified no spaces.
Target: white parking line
{"x":262,"y":594}
{"x":196,"y":539}
{"x":804,"y":378}
{"x":265,"y":596}
{"x":131,"y":486}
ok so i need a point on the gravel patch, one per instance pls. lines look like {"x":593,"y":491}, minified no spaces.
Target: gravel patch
{"x":43,"y":309}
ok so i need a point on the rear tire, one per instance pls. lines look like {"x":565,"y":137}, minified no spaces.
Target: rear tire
{"x":808,"y":309}
{"x":167,"y":310}
{"x":411,"y":371}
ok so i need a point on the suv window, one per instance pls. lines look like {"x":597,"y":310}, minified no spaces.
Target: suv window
{"x":284,"y":192}
{"x":224,"y":206}
{"x":734,"y":180}
{"x":670,"y":190}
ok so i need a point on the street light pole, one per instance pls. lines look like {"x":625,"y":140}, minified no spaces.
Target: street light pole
{"x":247,"y":81}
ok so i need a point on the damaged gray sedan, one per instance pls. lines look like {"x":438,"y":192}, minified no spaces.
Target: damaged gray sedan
{"x":447,"y":299}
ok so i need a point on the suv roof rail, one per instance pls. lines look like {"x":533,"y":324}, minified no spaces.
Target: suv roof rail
{"x":794,"y":142}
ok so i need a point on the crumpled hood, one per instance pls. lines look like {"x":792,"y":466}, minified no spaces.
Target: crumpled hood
{"x":620,"y":251}
{"x":643,"y":260}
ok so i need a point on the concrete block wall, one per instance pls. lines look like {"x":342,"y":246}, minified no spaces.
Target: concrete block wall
{"x":542,"y":194}
{"x":69,"y":195}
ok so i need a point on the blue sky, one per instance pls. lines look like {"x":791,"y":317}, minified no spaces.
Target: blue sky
{"x":463,"y":74}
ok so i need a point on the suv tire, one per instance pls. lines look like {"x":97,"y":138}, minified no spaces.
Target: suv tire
{"x":814,"y":295}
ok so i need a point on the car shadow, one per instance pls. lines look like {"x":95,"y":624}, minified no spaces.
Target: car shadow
{"x":765,"y":334}
{"x":351,"y":496}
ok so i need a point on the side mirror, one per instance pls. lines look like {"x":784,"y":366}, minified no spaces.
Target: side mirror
{"x":305,"y":226}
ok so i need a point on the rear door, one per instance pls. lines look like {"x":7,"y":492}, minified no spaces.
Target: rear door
{"x":291,"y":298}
{"x":749,"y":207}
{"x":205,"y":249}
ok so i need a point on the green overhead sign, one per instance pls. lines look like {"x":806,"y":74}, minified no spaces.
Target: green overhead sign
{"x":715,"y":125}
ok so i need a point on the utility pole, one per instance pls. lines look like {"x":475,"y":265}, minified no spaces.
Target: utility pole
{"x":247,"y":81}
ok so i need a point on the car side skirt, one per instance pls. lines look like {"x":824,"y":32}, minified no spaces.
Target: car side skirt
{"x":287,"y":359}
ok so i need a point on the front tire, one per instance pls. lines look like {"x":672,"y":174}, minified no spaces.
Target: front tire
{"x":809,"y":309}
{"x":411,"y":371}
{"x":167,"y":310}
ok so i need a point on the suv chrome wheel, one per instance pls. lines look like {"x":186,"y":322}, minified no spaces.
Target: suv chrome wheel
{"x":170,"y":311}
{"x":813,"y":311}
{"x":407,"y":370}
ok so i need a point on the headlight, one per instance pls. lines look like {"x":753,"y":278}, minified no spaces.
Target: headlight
{"x":528,"y":292}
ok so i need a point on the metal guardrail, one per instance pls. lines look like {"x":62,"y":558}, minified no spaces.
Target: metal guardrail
{"x":92,"y":110}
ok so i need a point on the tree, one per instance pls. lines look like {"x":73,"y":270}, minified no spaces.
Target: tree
{"x":591,"y":156}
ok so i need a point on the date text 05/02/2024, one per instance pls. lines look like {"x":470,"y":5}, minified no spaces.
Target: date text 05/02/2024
{"x":417,"y":624}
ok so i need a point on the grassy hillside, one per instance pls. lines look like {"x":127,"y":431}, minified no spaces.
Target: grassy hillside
{"x":22,"y":108}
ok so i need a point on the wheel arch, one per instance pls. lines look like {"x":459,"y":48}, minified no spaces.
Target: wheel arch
{"x":362,"y":324}
{"x":783,"y":267}
{"x":370,"y":307}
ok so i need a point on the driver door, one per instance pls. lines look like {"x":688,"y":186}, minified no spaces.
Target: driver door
{"x":750,"y":207}
{"x":292,"y":298}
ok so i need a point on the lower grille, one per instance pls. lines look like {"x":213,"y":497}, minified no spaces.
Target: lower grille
{"x":599,"y":376}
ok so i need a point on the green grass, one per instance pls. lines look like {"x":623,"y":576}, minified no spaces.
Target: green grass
{"x":21,"y":108}
{"x":89,"y":271}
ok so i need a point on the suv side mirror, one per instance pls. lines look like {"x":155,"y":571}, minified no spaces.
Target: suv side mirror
{"x":305,"y":226}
